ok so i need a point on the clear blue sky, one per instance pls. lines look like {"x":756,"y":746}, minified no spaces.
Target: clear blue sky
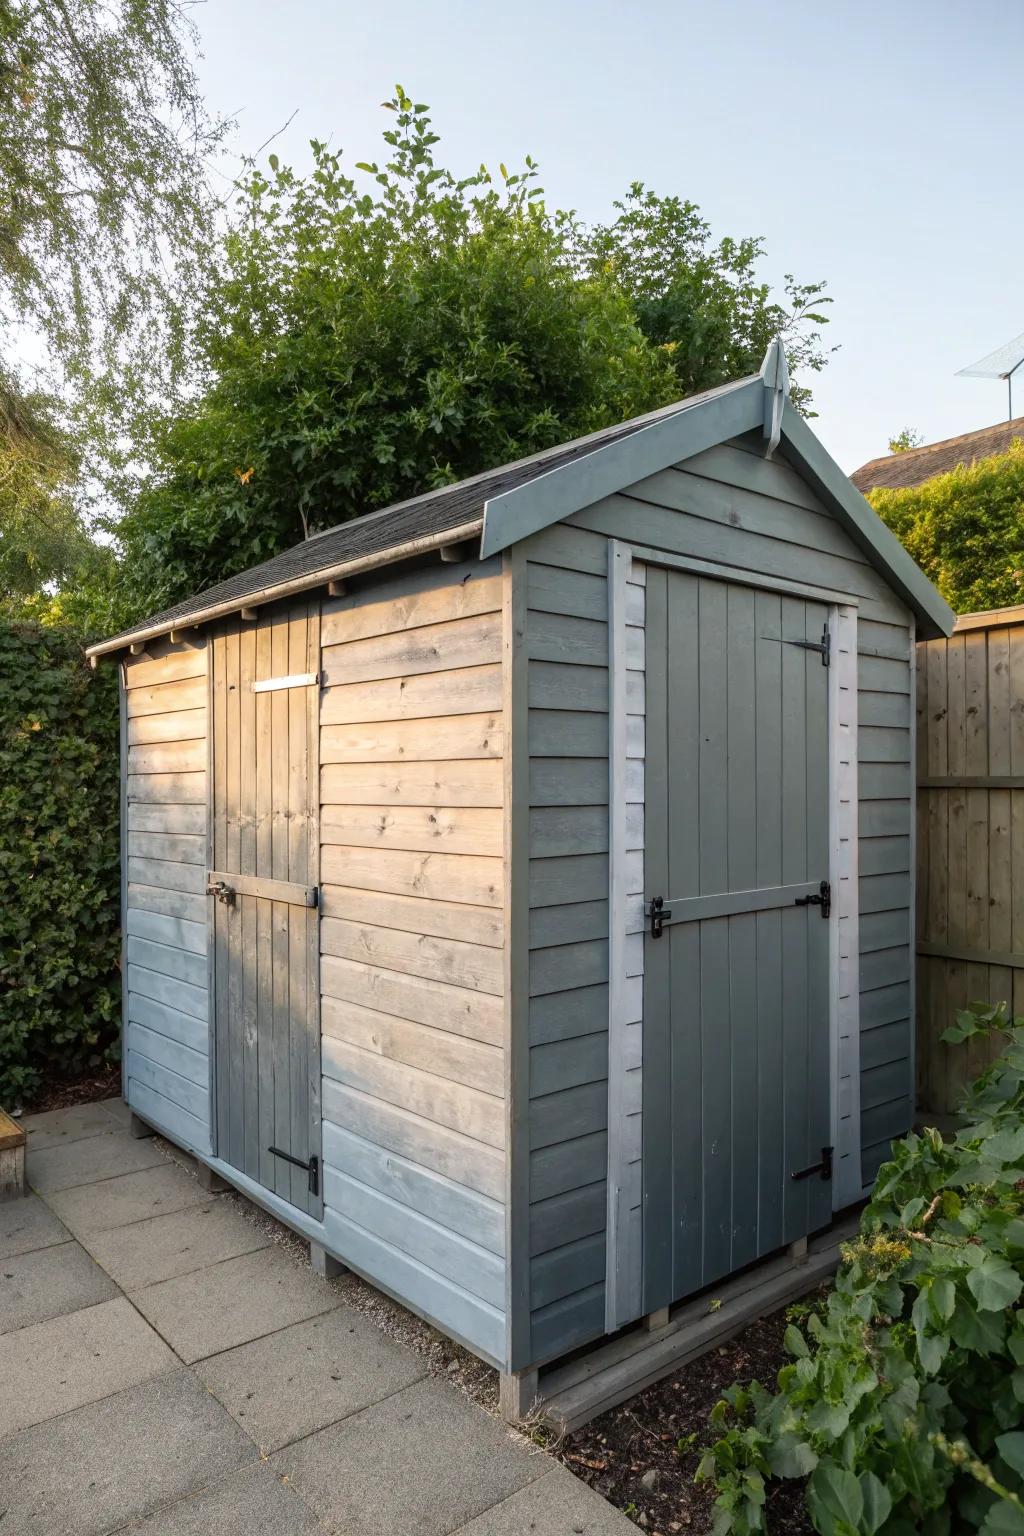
{"x":873,"y":145}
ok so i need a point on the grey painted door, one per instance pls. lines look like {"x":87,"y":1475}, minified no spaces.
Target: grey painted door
{"x":736,"y":1091}
{"x":265,"y":866}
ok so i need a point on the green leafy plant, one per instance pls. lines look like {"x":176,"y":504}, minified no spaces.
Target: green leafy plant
{"x":965,"y":529}
{"x":59,"y":860}
{"x":903,"y":1406}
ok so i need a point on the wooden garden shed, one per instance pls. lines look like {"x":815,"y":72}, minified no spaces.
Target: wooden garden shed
{"x":518,"y":881}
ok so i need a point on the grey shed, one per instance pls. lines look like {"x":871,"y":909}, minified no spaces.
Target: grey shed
{"x":518,"y":883}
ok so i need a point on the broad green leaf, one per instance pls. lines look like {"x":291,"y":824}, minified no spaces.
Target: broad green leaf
{"x":835,"y":1499}
{"x":1011,"y":1449}
{"x":994,"y":1284}
{"x":1004,"y":1519}
{"x":795,"y":1342}
{"x":942,"y":1299}
{"x":791,"y":1457}
{"x":877,"y":1503}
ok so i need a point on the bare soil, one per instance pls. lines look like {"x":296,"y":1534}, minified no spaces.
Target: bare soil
{"x":643,"y":1455}
{"x":62,"y":1093}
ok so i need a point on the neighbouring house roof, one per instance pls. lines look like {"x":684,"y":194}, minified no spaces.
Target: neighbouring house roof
{"x":916,"y":465}
{"x":506,"y":505}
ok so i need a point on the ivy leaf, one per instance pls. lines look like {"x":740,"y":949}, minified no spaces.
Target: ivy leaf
{"x":994,"y":1284}
{"x":942,"y":1299}
{"x":877,"y":1503}
{"x":1011,"y":1449}
{"x":835,"y":1500}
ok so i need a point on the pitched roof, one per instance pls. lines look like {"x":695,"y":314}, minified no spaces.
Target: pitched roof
{"x":916,"y":465}
{"x":453,"y":512}
{"x":506,"y":505}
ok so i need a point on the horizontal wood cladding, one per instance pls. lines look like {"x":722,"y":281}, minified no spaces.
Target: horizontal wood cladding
{"x":164,"y":844}
{"x":412,"y":933}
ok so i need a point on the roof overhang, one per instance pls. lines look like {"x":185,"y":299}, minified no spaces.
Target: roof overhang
{"x":761,"y":402}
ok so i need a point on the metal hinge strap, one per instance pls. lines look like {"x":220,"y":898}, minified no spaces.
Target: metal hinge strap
{"x":312,"y":1167}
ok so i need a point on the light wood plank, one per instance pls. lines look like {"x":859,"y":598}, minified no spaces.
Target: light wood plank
{"x":472,"y":642}
{"x":469,"y":782}
{"x":455,"y":877}
{"x":167,"y":788}
{"x":184,"y":820}
{"x":167,"y":876}
{"x":467,"y":691}
{"x":478,"y":1115}
{"x":176,"y":725}
{"x":179,"y":848}
{"x":170,"y":698}
{"x":172,"y":668}
{"x":411,"y":601}
{"x":393,"y":741}
{"x":414,"y":829}
{"x":460,"y":1010}
{"x":456,"y":1058}
{"x":414,"y":914}
{"x":448,"y":960}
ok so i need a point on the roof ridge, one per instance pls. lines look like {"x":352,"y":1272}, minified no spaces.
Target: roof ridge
{"x":942,"y":442}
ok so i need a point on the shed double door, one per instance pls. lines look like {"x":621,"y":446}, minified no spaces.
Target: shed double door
{"x":736,"y":1042}
{"x":264,"y":901}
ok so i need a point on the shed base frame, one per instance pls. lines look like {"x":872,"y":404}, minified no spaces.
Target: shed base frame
{"x":571,"y":1392}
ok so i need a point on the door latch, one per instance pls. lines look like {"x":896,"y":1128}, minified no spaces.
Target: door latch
{"x":659,"y":915}
{"x":824,"y":1167}
{"x":822,"y":900}
{"x":222,"y":891}
{"x":312,"y":1167}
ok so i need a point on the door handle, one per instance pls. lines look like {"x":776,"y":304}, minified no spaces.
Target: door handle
{"x":222,"y":891}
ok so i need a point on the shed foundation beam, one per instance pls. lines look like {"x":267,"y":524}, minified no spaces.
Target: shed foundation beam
{"x":657,"y":1319}
{"x":517,"y":1393}
{"x":210,"y":1181}
{"x":325,"y":1264}
{"x":139,"y":1129}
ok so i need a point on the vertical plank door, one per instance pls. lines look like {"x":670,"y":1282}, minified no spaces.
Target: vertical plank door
{"x":264,"y":879}
{"x":736,"y":1115}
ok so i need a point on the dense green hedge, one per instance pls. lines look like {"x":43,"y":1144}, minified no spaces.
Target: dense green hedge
{"x":59,"y":860}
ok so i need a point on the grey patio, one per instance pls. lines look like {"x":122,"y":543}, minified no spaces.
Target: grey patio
{"x":170,"y":1370}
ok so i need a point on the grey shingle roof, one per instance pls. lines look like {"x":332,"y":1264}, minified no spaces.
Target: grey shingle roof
{"x":434,"y":513}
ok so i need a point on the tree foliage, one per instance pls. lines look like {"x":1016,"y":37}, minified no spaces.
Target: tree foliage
{"x":904,"y":440}
{"x":59,"y":918}
{"x":104,"y":200}
{"x":374,"y":335}
{"x":965,"y":529}
{"x":42,"y":536}
{"x":904,"y":1405}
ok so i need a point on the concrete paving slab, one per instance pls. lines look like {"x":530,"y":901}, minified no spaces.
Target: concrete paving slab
{"x":48,"y":1283}
{"x":286,"y":1386}
{"x":84,"y":1162}
{"x":53,"y":1367}
{"x":253,"y":1502}
{"x":226,"y":1304}
{"x":166,"y":1246}
{"x":28,"y":1224}
{"x":132,"y":1197}
{"x":57,"y":1127}
{"x":118,"y":1111}
{"x":426,"y":1460}
{"x":557,"y":1504}
{"x":119,"y":1460}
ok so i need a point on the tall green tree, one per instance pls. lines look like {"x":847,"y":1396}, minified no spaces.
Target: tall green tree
{"x":374,"y":335}
{"x":105,"y":206}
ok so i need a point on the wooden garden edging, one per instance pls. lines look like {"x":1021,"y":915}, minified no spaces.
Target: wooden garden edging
{"x":970,"y":839}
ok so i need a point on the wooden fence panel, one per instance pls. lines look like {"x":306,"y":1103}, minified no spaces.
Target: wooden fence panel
{"x":970,"y":840}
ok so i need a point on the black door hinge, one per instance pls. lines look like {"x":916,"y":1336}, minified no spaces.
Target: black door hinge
{"x":822,"y":646}
{"x":312,"y":1167}
{"x":659,"y":915}
{"x":824,"y":1167}
{"x":822,"y":900}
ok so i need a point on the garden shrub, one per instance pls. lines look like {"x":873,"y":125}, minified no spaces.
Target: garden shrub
{"x":903,"y":1406}
{"x":59,"y":860}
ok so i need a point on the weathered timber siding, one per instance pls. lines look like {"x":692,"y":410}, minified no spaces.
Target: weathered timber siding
{"x":727,"y":505}
{"x":411,"y":748}
{"x":970,"y":844}
{"x":166,"y":944}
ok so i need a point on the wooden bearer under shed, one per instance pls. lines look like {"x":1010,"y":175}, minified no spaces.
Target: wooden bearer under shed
{"x":516,"y":898}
